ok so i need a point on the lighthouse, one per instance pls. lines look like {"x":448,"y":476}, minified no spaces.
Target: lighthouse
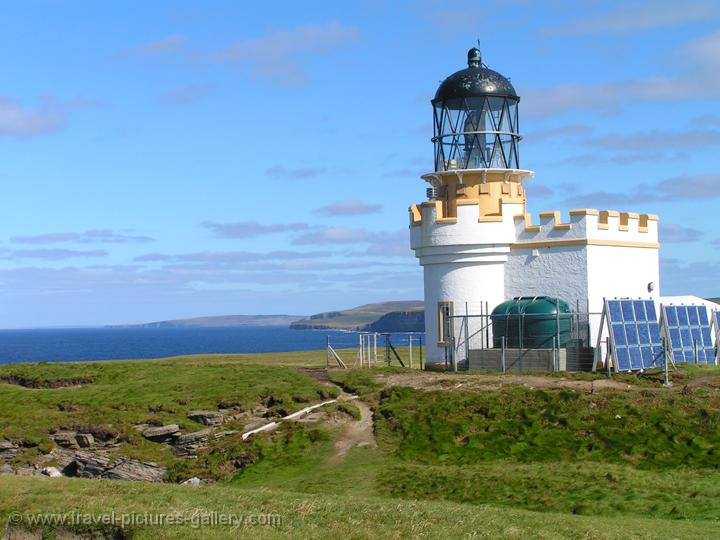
{"x":474,"y":238}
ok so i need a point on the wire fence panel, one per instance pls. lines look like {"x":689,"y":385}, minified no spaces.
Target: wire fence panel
{"x":522,"y":342}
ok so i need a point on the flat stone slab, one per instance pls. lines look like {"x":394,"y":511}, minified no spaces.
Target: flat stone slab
{"x":85,"y":440}
{"x":138,"y":471}
{"x":208,"y":418}
{"x":192,"y":438}
{"x":162,"y":433}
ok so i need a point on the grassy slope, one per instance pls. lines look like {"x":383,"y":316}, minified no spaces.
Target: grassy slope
{"x":439,"y":462}
{"x":317,"y":516}
{"x":125,"y":393}
{"x":359,"y":316}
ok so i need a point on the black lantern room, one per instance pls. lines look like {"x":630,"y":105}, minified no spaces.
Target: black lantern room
{"x":476,"y":119}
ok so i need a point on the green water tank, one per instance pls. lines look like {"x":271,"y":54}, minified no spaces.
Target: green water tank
{"x":531,"y":322}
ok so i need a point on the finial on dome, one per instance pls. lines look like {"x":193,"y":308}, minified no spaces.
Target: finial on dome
{"x":474,"y":58}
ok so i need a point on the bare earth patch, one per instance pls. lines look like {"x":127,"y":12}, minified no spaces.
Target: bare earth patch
{"x":356,"y":433}
{"x":491,"y":383}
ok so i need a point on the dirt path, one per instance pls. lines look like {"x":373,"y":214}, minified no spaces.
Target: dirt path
{"x":356,"y":433}
{"x":490,"y":383}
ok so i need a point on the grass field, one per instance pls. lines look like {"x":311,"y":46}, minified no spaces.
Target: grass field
{"x":459,"y":458}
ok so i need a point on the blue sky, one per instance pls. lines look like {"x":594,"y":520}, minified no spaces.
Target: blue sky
{"x":175,"y":159}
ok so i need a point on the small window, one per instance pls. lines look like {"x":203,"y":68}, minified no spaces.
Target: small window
{"x":445,"y":322}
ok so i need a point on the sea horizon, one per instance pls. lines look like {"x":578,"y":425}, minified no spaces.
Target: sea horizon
{"x":83,"y":344}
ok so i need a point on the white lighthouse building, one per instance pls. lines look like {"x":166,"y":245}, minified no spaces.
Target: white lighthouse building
{"x":474,"y":238}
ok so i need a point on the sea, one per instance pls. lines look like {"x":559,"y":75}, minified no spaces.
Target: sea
{"x":83,"y":344}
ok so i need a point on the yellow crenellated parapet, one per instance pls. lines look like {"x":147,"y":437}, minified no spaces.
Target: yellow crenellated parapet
{"x":557,"y":222}
{"x":415,"y":215}
{"x":527,"y":218}
{"x":584,"y":212}
{"x":644,"y":220}
{"x":604,"y":218}
{"x":625,"y":219}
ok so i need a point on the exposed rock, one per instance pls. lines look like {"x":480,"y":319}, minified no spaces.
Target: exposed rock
{"x":221,"y":434}
{"x":62,"y":457}
{"x":208,"y":418}
{"x":194,"y":481}
{"x":66,"y":439}
{"x":85,"y":440}
{"x":6,"y":469}
{"x":260,"y":410}
{"x":89,"y":465}
{"x":192,"y":438}
{"x":52,"y":472}
{"x":256,"y":422}
{"x":8,"y":450}
{"x":142,"y":471}
{"x":190,"y":443}
{"x":163,"y":433}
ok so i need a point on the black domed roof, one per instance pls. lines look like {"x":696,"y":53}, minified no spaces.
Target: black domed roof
{"x":475,"y":81}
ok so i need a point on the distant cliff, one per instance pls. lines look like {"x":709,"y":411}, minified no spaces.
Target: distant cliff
{"x":222,"y":320}
{"x":397,"y":316}
{"x":399,"y":321}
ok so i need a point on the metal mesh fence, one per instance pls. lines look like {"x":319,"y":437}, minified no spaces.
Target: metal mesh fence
{"x":521,"y":342}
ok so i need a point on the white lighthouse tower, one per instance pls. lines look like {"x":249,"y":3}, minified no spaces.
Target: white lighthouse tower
{"x":474,"y":239}
{"x":463,"y":234}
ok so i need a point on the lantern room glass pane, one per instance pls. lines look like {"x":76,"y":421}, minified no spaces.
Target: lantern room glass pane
{"x":476,"y":133}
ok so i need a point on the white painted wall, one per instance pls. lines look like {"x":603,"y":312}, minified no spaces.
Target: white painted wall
{"x":560,"y":271}
{"x":472,"y":262}
{"x":462,"y":262}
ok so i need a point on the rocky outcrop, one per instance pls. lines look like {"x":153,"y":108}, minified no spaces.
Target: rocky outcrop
{"x":90,"y":465}
{"x":207,"y":418}
{"x":139,"y":471}
{"x":8,"y":450}
{"x":87,"y":465}
{"x":190,"y":443}
{"x":162,"y":433}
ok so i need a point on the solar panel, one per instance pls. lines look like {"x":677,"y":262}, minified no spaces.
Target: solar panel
{"x":634,"y":334}
{"x":689,"y":335}
{"x":716,"y":319}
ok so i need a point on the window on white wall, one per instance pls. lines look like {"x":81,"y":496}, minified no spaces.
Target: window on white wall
{"x":445,"y":325}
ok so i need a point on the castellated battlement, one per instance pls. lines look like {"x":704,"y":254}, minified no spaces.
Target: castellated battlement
{"x":587,"y":225}
{"x":430,"y":225}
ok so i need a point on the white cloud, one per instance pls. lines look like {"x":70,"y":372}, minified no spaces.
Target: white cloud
{"x":248,"y":229}
{"x":93,"y":236}
{"x":697,"y":75}
{"x":638,"y":16}
{"x":280,"y":55}
{"x":23,"y":122}
{"x":163,"y":47}
{"x":185,"y":95}
{"x":350,"y":207}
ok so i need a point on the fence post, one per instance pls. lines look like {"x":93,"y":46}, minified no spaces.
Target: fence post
{"x":453,"y":357}
{"x":666,"y":374}
{"x":327,"y":352}
{"x":502,"y":357}
{"x":411,"y":351}
{"x":608,"y":356}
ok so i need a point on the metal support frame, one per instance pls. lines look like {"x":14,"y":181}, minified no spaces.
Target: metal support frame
{"x":331,"y":352}
{"x":716,"y":325}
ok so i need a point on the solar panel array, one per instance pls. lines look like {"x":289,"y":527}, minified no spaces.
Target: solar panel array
{"x":689,"y":334}
{"x":635,"y":334}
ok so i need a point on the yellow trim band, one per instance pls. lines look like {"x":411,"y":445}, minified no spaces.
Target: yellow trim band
{"x":584,"y":242}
